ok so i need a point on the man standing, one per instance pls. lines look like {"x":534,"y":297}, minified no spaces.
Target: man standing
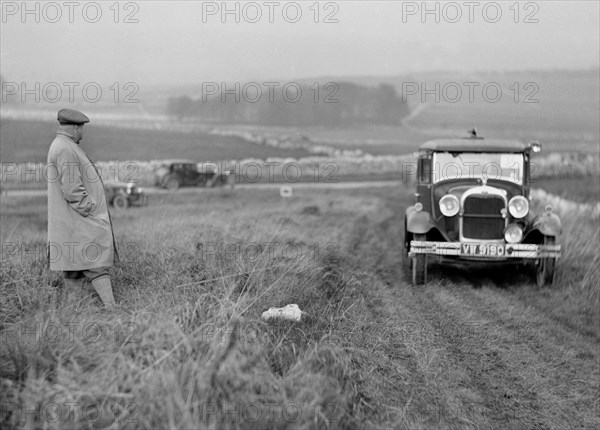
{"x":80,"y":235}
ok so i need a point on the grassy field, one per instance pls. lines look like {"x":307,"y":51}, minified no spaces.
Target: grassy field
{"x":29,"y":140}
{"x":187,"y":349}
{"x":582,"y":190}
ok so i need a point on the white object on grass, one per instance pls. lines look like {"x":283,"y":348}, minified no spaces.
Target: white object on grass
{"x":285,"y":191}
{"x":289,"y":312}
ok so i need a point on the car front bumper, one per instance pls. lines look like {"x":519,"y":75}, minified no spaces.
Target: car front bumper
{"x":485,"y":250}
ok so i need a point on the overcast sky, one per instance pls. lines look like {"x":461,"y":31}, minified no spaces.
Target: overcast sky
{"x":170,"y":43}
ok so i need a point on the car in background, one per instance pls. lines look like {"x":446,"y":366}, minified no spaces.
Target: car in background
{"x":173,"y":174}
{"x":122,"y":195}
{"x":472,"y":205}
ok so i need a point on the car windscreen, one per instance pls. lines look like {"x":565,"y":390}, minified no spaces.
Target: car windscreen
{"x":467,"y":165}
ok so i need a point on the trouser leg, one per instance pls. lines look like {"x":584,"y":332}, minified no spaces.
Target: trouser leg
{"x":103,"y":287}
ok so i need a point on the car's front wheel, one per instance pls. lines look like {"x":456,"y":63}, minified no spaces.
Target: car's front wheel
{"x":120,"y":202}
{"x":545,"y":267}
{"x":419,"y":264}
{"x":171,"y":182}
{"x":406,"y":259}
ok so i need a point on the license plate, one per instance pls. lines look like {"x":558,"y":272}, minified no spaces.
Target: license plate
{"x":483,"y":249}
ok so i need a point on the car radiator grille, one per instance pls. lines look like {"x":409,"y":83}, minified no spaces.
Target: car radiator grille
{"x":482,"y":217}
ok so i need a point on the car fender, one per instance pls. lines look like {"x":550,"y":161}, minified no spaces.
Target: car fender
{"x":159,"y":175}
{"x":548,"y":224}
{"x":418,"y":222}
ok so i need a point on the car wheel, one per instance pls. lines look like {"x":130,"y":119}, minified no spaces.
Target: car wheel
{"x":545,"y":267}
{"x":120,"y":202}
{"x":419,"y":264}
{"x":171,"y":183}
{"x":406,"y":259}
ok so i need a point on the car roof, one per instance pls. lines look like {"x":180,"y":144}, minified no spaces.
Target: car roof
{"x":475,"y":145}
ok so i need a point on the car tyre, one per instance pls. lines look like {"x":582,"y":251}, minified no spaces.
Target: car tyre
{"x":171,"y":182}
{"x":545,"y":267}
{"x":419,"y":264}
{"x":406,"y":259}
{"x":120,"y":202}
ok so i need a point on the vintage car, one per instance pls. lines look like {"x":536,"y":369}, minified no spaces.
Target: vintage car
{"x":173,"y":174}
{"x":122,"y":195}
{"x":472,"y":205}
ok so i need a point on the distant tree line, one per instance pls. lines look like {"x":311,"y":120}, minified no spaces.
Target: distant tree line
{"x":295,"y":105}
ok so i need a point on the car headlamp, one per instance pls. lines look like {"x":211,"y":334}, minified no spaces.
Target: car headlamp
{"x":449,"y":205}
{"x":513,"y":233}
{"x":518,"y":206}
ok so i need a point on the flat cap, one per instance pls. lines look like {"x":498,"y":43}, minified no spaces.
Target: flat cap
{"x":70,"y":116}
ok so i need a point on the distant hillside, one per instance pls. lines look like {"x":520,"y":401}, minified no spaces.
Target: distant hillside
{"x":562,"y":111}
{"x":555,"y":105}
{"x":324,"y":104}
{"x":559,"y":106}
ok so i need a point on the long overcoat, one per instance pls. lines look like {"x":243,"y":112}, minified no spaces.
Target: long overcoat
{"x":80,"y":234}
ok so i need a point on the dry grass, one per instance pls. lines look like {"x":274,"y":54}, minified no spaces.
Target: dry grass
{"x":188,"y":349}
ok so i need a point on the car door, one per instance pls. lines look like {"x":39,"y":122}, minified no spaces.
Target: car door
{"x":192,"y":175}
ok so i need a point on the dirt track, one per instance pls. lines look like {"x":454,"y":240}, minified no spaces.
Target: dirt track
{"x":474,"y":349}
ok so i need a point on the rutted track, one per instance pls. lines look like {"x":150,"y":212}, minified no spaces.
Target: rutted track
{"x":467,"y":351}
